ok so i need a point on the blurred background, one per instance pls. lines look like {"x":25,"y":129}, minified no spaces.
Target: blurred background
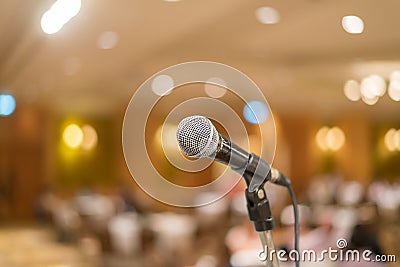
{"x":68,"y":68}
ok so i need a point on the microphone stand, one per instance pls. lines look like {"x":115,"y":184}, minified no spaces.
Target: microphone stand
{"x":258,"y":208}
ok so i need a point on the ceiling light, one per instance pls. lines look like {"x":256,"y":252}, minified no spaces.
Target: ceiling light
{"x":353,"y":24}
{"x":59,"y":14}
{"x":267,"y":15}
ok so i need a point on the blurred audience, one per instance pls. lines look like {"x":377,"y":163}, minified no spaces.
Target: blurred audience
{"x":116,"y":227}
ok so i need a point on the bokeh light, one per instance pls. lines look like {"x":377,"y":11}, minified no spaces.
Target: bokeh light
{"x":107,"y":40}
{"x":73,"y":136}
{"x":267,"y":15}
{"x":352,"y":90}
{"x":166,"y":135}
{"x":353,"y":24}
{"x":162,"y":85}
{"x":256,"y":112}
{"x":370,"y":101}
{"x":335,"y":138}
{"x":392,"y":140}
{"x":394,"y":86}
{"x":321,"y":138}
{"x":214,"y":90}
{"x":59,"y":14}
{"x":379,"y":85}
{"x":330,"y":138}
{"x":7,"y":104}
{"x":90,"y":137}
{"x":373,"y":86}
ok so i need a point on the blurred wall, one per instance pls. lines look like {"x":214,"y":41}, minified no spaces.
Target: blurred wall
{"x":33,"y":155}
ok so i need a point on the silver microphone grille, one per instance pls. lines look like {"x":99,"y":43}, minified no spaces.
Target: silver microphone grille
{"x":197,"y":137}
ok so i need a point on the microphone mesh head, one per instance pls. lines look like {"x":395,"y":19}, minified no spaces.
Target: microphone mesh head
{"x":197,"y":137}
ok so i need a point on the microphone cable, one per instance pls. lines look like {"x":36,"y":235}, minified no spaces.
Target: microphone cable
{"x":296,"y":223}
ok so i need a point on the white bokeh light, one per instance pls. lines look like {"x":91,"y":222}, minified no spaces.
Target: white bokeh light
{"x":107,"y":40}
{"x":395,"y":75}
{"x":373,"y":86}
{"x":267,"y":15}
{"x":353,"y":24}
{"x":394,"y":90}
{"x":162,"y":85}
{"x":392,"y":140}
{"x":366,"y":88}
{"x":59,"y":14}
{"x":370,"y":101}
{"x":215,"y":90}
{"x":352,"y":90}
{"x":50,"y":23}
{"x":394,"y":86}
{"x":379,"y":85}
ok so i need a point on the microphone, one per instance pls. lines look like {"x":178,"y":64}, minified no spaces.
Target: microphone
{"x":198,"y":138}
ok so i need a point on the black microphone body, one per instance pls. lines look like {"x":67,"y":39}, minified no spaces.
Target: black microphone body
{"x":252,"y":167}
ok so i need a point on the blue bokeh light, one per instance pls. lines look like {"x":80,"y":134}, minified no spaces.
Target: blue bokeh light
{"x":256,"y":112}
{"x":7,"y":104}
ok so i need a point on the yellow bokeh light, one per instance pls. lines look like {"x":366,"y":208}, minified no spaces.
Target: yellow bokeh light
{"x":392,"y":140}
{"x":168,"y":137}
{"x":321,"y":138}
{"x":89,"y":137}
{"x":73,"y":136}
{"x":335,"y":138}
{"x":330,"y":138}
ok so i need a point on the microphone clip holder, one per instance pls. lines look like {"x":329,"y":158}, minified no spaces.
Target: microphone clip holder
{"x":259,"y":210}
{"x":258,"y":207}
{"x":257,"y":173}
